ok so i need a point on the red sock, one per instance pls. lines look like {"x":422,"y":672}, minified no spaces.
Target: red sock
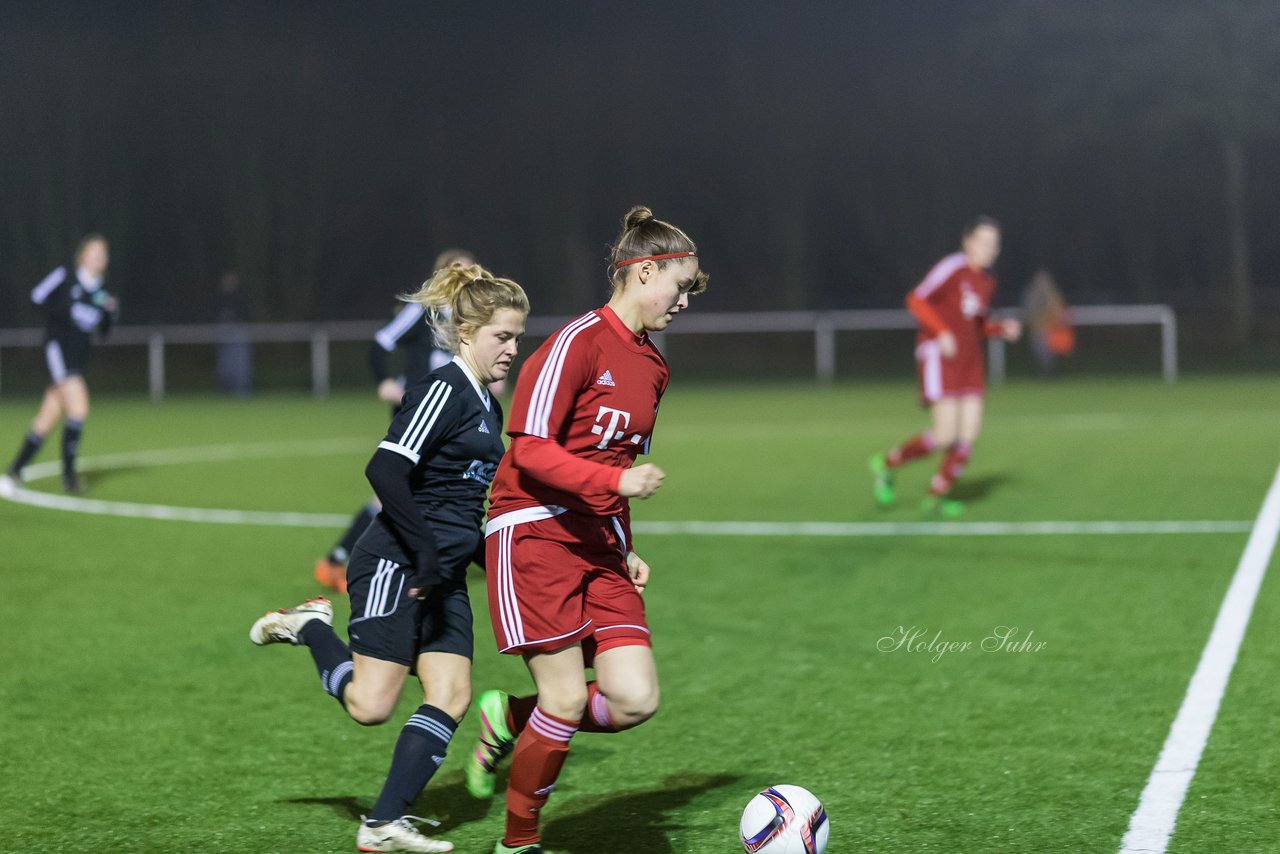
{"x":539,"y":755}
{"x":518,"y":711}
{"x":952,"y":467}
{"x":914,"y":448}
{"x":597,"y":717}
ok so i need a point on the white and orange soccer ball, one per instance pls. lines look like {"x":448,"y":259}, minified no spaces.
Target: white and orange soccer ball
{"x":784,"y":820}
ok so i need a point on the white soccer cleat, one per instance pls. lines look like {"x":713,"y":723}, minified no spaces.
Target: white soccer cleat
{"x":283,"y":626}
{"x":398,"y":835}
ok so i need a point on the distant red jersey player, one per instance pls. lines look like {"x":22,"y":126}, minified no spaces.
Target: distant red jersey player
{"x":952,"y":306}
{"x":564,"y":581}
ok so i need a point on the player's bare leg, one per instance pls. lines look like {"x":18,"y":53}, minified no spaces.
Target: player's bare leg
{"x":419,"y":752}
{"x":46,"y":419}
{"x":49,"y":413}
{"x":370,"y":697}
{"x":627,"y":685}
{"x":543,"y":744}
{"x":970,"y":418}
{"x":965,"y":420}
{"x":942,"y":431}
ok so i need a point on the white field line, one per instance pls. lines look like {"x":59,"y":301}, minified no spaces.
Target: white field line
{"x":1151,"y":825}
{"x":935,"y":529}
{"x":268,"y":450}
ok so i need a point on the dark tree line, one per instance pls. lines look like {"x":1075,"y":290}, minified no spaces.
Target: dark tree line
{"x":822,"y":155}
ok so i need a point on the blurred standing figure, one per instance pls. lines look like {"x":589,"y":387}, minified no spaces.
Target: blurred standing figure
{"x":410,"y":332}
{"x":76,"y":305}
{"x":952,"y":306}
{"x":235,"y":352}
{"x":1050,"y":321}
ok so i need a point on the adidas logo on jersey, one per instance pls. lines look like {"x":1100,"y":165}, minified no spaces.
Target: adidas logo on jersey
{"x":606,"y":379}
{"x":484,"y":428}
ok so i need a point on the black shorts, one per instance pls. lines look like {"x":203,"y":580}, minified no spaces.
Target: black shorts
{"x":66,"y":357}
{"x":387,"y":624}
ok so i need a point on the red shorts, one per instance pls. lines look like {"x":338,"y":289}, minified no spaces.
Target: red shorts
{"x":957,"y":377}
{"x":556,"y":580}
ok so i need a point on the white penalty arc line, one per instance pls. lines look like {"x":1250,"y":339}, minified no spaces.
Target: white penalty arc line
{"x":169,"y":513}
{"x":1152,"y":824}
{"x":321,"y":447}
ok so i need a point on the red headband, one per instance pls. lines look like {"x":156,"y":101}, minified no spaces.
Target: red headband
{"x":687,"y":254}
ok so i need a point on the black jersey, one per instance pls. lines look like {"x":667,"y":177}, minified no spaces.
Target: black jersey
{"x":74,"y":305}
{"x":449,"y":429}
{"x":410,"y":332}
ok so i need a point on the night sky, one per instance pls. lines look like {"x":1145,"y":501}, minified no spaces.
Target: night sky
{"x":823,"y":155}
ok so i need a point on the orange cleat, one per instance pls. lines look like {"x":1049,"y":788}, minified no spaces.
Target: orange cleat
{"x":332,"y":575}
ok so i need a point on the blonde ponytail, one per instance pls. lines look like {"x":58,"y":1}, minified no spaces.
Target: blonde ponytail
{"x":459,"y":300}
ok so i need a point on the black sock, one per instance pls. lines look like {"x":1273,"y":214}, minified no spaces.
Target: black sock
{"x":359,"y":522}
{"x":72,"y":428}
{"x":419,"y":752}
{"x":31,"y":444}
{"x":333,"y":659}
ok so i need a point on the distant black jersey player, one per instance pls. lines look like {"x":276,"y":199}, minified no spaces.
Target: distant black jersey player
{"x":76,"y":307}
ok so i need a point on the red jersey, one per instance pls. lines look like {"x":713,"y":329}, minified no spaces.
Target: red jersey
{"x":954,"y":297}
{"x":584,"y":408}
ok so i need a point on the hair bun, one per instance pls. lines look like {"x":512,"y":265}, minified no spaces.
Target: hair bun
{"x":637,"y":216}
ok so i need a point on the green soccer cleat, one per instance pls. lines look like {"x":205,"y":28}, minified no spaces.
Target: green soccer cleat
{"x":519,"y":849}
{"x":495,"y":743}
{"x":883,"y":486}
{"x":937,"y":507}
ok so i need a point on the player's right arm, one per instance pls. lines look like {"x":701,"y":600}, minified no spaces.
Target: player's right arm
{"x":423,"y":423}
{"x":921,"y":297}
{"x":40,"y":293}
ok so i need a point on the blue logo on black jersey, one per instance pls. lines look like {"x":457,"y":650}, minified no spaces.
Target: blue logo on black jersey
{"x":481,"y":471}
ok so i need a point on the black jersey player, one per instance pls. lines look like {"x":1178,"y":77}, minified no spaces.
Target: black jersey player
{"x":406,"y":578}
{"x":76,"y":306}
{"x":412,"y":334}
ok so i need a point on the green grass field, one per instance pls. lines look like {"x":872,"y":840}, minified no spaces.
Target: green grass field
{"x":138,"y":717}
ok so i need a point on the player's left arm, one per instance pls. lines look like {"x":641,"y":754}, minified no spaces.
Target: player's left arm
{"x":1008,"y":328}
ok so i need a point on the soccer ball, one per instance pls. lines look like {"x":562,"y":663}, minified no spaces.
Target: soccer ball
{"x":784,"y":820}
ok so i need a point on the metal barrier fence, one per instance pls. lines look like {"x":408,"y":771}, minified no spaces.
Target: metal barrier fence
{"x":822,"y":325}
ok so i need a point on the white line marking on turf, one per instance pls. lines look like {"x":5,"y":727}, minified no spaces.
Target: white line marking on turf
{"x":167,"y":513}
{"x":321,"y":447}
{"x":935,"y":529}
{"x":1151,"y":825}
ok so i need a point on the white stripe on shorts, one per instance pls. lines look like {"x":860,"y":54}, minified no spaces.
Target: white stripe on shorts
{"x":53,"y":358}
{"x":930,"y":356}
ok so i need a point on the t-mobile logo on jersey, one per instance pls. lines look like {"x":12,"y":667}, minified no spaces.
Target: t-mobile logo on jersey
{"x":612,"y":433}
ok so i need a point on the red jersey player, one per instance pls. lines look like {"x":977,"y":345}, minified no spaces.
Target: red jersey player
{"x":564,"y":582}
{"x":952,"y":306}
